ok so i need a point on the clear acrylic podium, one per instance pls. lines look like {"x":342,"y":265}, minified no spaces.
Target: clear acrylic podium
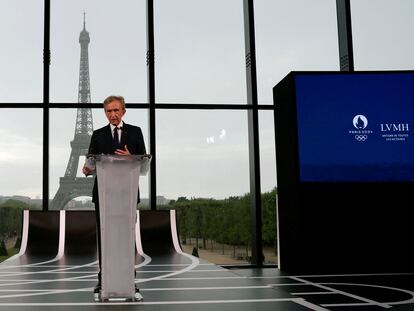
{"x":118,"y":179}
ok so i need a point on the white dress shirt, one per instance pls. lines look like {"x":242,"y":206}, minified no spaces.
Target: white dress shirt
{"x":120,"y":125}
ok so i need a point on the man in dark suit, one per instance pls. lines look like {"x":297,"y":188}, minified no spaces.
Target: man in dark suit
{"x":115,"y":138}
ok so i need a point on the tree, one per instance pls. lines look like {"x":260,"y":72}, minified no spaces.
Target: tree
{"x":269,"y":220}
{"x":3,"y":249}
{"x":10,"y":219}
{"x":225,"y":221}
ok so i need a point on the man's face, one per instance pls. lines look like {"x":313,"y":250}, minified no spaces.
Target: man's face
{"x":114,"y":112}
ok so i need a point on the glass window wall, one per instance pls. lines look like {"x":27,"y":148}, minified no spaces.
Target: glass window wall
{"x":293,"y":35}
{"x":199,"y":52}
{"x":268,"y":185}
{"x":203,"y":173}
{"x":116,"y":49}
{"x":382,"y":32}
{"x":21,"y":54}
{"x":69,"y":188}
{"x":21,"y":173}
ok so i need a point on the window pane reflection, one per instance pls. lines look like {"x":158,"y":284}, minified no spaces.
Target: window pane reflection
{"x":293,"y":35}
{"x":203,"y":173}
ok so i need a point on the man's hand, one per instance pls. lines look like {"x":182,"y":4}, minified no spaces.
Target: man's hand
{"x":123,"y":152}
{"x":86,"y":170}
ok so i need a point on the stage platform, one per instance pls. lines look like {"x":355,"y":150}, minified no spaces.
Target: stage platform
{"x":57,"y":265}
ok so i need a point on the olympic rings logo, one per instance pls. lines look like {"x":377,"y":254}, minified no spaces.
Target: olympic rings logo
{"x":361,"y":137}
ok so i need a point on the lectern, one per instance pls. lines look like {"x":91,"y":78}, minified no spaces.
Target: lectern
{"x":118,"y":178}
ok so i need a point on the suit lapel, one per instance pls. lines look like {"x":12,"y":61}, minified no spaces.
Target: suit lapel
{"x":124,"y":135}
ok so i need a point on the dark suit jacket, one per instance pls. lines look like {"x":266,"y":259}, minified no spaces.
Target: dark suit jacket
{"x":102,"y":142}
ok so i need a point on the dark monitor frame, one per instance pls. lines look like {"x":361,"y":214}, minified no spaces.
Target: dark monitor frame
{"x":336,"y":227}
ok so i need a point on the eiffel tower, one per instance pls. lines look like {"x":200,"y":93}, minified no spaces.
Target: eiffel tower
{"x":70,"y":186}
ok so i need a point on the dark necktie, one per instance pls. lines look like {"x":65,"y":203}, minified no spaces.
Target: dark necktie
{"x":117,"y":143}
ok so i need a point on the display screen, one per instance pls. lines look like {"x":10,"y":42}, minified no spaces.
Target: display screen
{"x":355,"y":127}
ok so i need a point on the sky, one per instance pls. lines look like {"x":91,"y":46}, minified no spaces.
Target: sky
{"x":199,"y":58}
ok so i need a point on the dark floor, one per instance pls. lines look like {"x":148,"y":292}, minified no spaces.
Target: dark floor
{"x":56,"y":269}
{"x":182,"y":282}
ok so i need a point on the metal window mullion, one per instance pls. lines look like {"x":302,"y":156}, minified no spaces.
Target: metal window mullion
{"x":346,"y":53}
{"x":253,"y":128}
{"x":46,"y":100}
{"x":151,"y":102}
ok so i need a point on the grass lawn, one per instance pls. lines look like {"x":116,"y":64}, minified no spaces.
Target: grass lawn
{"x":11,"y":251}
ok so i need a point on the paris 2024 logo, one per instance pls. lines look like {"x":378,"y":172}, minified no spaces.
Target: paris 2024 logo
{"x":360,"y":130}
